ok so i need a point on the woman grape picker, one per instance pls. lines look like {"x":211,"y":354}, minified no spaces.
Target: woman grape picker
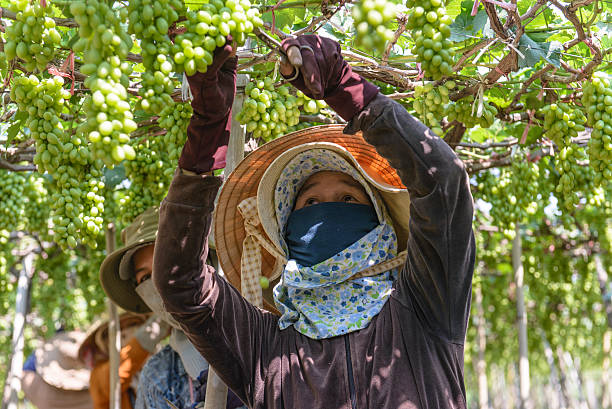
{"x":373,"y":303}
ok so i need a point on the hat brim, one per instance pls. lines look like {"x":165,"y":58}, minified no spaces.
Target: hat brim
{"x":58,"y":364}
{"x":244,"y":182}
{"x":122,"y":292}
{"x":45,"y":396}
{"x":126,"y":320}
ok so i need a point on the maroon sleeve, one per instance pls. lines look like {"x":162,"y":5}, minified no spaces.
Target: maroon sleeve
{"x":229,"y":332}
{"x":437,"y":278}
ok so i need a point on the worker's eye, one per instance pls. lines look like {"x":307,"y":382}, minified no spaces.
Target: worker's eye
{"x":143,"y":279}
{"x":310,"y":201}
{"x":348,"y":198}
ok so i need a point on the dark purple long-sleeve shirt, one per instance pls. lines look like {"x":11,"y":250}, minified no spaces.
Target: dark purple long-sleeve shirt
{"x":411,"y":353}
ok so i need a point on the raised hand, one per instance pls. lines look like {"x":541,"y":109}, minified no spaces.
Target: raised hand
{"x":314,"y":65}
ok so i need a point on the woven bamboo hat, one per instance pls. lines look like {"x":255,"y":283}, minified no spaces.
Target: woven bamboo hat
{"x":253,"y":183}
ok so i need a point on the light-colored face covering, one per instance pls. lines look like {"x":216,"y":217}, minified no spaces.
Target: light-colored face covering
{"x":193,"y":362}
{"x":149,"y":294}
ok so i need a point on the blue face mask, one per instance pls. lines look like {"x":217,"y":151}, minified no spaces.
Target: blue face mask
{"x":315,"y":233}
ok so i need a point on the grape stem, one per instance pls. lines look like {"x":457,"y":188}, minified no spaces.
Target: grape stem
{"x":402,"y":20}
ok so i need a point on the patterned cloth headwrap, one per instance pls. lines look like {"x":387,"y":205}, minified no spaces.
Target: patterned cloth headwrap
{"x":338,"y":295}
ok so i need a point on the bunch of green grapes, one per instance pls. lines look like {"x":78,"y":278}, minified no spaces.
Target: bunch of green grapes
{"x":105,"y":44}
{"x":157,"y":85}
{"x":512,"y":192}
{"x":597,"y":99}
{"x":150,"y":23}
{"x":37,"y":209}
{"x":562,"y":122}
{"x":76,"y":197}
{"x":430,"y":28}
{"x":462,"y":112}
{"x":6,"y":258}
{"x":12,"y":203}
{"x":309,"y":105}
{"x":175,"y":120}
{"x":150,"y":173}
{"x":33,"y":37}
{"x":267,"y":112}
{"x":208,"y":29}
{"x":430,"y":103}
{"x":576,"y":177}
{"x":372,"y":19}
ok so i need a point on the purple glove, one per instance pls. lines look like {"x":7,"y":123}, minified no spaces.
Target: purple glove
{"x":325,"y":75}
{"x":209,"y":127}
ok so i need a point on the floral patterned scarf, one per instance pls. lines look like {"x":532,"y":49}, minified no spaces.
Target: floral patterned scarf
{"x":324,"y":300}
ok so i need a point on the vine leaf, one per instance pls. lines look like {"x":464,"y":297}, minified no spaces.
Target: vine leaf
{"x":282,"y":18}
{"x":18,"y":122}
{"x":465,"y":27}
{"x":114,"y":176}
{"x":534,"y":51}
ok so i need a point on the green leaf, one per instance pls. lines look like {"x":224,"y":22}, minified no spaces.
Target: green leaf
{"x":114,"y":176}
{"x":12,"y":131}
{"x":282,"y":18}
{"x":534,"y":51}
{"x":465,"y":27}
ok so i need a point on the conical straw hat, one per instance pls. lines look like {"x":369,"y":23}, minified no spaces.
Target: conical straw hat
{"x":244,"y":182}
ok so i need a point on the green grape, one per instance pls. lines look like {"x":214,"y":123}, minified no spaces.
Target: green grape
{"x":430,"y":103}
{"x":462,"y":112}
{"x":512,"y":193}
{"x":269,"y":113}
{"x":149,"y":22}
{"x":150,"y":173}
{"x":208,"y":28}
{"x":576,"y":178}
{"x":12,"y":204}
{"x":308,"y":105}
{"x":105,"y":45}
{"x":562,"y":122}
{"x":372,"y":18}
{"x":597,"y":99}
{"x":76,"y":185}
{"x":37,"y":209}
{"x":33,"y":36}
{"x":430,"y":28}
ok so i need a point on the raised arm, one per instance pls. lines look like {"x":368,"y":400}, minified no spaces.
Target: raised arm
{"x":215,"y":317}
{"x":436,"y":281}
{"x":438,"y":274}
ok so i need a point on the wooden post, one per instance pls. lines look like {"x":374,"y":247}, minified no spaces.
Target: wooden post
{"x":554,"y":378}
{"x":216,"y":390}
{"x":481,"y":364}
{"x":521,"y":319}
{"x":114,"y":334}
{"x":606,"y":389}
{"x":18,"y":341}
{"x":605,"y":287}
